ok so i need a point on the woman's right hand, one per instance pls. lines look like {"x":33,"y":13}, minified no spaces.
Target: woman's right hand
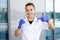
{"x":17,"y":32}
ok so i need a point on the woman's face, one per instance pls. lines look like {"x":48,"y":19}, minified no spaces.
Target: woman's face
{"x":30,"y":11}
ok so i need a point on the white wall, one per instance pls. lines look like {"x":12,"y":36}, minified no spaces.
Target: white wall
{"x":17,"y":11}
{"x":18,"y":5}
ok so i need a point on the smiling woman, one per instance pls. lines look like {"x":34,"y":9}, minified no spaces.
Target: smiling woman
{"x":3,"y":20}
{"x":18,"y":11}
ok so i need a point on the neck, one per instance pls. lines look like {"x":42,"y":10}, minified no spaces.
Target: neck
{"x":30,"y":18}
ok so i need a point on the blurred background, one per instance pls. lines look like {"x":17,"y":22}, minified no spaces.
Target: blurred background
{"x":53,"y":13}
{"x":52,"y":10}
{"x":3,"y":20}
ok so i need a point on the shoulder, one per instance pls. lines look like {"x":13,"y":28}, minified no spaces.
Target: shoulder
{"x":39,"y":20}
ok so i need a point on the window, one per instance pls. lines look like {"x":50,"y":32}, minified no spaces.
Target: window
{"x":53,"y":13}
{"x":3,"y":20}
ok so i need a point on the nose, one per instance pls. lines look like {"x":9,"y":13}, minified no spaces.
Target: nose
{"x":29,"y":12}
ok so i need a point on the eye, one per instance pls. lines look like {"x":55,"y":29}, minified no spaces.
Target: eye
{"x":30,"y":9}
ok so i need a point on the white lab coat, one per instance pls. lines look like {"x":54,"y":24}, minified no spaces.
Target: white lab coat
{"x":33,"y":31}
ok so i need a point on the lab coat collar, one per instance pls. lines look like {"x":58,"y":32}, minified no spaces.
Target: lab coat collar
{"x":35,"y":20}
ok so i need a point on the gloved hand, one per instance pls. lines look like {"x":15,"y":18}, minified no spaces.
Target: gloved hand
{"x":20,"y":23}
{"x":43,"y":18}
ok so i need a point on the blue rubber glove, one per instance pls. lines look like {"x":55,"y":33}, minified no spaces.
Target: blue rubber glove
{"x":20,"y":23}
{"x":43,"y":18}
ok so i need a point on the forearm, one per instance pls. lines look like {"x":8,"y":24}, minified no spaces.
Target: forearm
{"x":51,"y":26}
{"x":17,"y":32}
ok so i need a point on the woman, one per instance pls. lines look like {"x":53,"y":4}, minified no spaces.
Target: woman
{"x":31,"y":26}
